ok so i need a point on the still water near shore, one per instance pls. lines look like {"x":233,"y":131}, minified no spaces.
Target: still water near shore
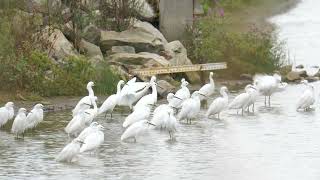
{"x":274,"y":143}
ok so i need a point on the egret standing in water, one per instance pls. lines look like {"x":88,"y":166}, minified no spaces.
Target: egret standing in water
{"x":159,"y":113}
{"x":92,"y":128}
{"x":207,"y":89}
{"x":85,"y":100}
{"x":182,"y":94}
{"x":93,"y":141}
{"x":268,"y":85}
{"x":19,"y":123}
{"x":254,"y":93}
{"x":150,"y":99}
{"x":135,"y":130}
{"x":6,"y":113}
{"x":190,"y":107}
{"x":110,"y":103}
{"x":129,"y":98}
{"x":307,"y":99}
{"x":70,"y":151}
{"x":139,"y":114}
{"x":219,"y":104}
{"x":242,"y":100}
{"x":35,"y":116}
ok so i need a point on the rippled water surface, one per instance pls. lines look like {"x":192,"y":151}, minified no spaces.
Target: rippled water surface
{"x":274,"y":143}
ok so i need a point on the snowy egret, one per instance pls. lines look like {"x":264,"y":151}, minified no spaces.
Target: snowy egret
{"x":268,"y":85}
{"x":207,"y":89}
{"x":190,"y":107}
{"x":85,"y":100}
{"x":136,"y":129}
{"x":92,"y":128}
{"x":110,"y":103}
{"x":129,"y":98}
{"x":219,"y":104}
{"x":150,"y":99}
{"x":82,"y":119}
{"x":242,"y":100}
{"x":93,"y":141}
{"x":19,"y":123}
{"x":254,"y":93}
{"x":6,"y":113}
{"x":140,"y":113}
{"x":307,"y":99}
{"x":170,"y":123}
{"x":70,"y":151}
{"x":35,"y":116}
{"x":159,"y":113}
{"x":182,"y":94}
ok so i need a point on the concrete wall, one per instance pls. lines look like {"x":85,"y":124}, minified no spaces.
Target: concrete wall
{"x":175,"y":15}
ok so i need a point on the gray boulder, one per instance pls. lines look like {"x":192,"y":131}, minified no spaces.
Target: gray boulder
{"x":92,"y":51}
{"x":164,"y":88}
{"x":296,"y":75}
{"x":177,"y":54}
{"x":149,"y":28}
{"x":122,"y":49}
{"x":142,"y":41}
{"x":91,"y":33}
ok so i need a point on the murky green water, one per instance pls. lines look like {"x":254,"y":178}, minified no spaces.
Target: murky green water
{"x":275,"y":143}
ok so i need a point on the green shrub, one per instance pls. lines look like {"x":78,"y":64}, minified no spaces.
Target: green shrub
{"x":245,"y":52}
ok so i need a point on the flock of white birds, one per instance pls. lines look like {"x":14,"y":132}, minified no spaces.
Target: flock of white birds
{"x":89,"y":135}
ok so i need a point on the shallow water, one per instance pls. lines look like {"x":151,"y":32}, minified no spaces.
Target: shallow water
{"x":274,"y":143}
{"x":300,"y":28}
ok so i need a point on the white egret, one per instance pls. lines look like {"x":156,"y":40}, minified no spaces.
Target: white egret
{"x":242,"y":100}
{"x":110,"y":103}
{"x":219,"y":104}
{"x":190,"y":108}
{"x":150,"y":99}
{"x":19,"y":123}
{"x":70,"y":151}
{"x":139,"y":114}
{"x":93,"y":141}
{"x":254,"y":93}
{"x":170,"y":123}
{"x":84,"y":100}
{"x":207,"y":89}
{"x":92,"y":128}
{"x":35,"y":116}
{"x":159,"y":113}
{"x":6,"y":113}
{"x":132,"y":86}
{"x":82,"y":119}
{"x":268,"y":85}
{"x":135,"y":130}
{"x":129,"y":98}
{"x":182,"y":94}
{"x":307,"y":99}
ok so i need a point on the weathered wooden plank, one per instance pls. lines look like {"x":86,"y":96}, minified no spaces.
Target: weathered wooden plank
{"x":179,"y":69}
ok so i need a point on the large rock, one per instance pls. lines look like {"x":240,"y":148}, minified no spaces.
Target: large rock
{"x":42,"y":6}
{"x":143,"y":59}
{"x":142,"y":41}
{"x":92,"y":51}
{"x":164,"y":88}
{"x":91,"y":33}
{"x":177,"y":54}
{"x":122,"y":49}
{"x":149,"y":28}
{"x":296,"y":75}
{"x":59,"y":46}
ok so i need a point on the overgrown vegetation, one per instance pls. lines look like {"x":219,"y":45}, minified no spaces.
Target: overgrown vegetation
{"x":26,"y":67}
{"x":254,"y":50}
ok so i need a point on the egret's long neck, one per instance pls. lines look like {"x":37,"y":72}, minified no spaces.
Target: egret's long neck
{"x":224,"y":94}
{"x":90,"y":90}
{"x":211,"y":79}
{"x":154,"y":91}
{"x":118,"y":88}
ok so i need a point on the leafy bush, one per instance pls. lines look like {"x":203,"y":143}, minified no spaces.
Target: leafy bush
{"x":245,"y":52}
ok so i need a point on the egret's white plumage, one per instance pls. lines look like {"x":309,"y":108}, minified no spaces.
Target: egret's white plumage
{"x":35,"y":116}
{"x":159,"y":113}
{"x":70,"y":151}
{"x":307,"y":99}
{"x":139,"y":114}
{"x":19,"y":123}
{"x":268,"y":85}
{"x":190,"y":107}
{"x":242,"y":100}
{"x":129,"y":98}
{"x":110,"y":103}
{"x":6,"y":113}
{"x":207,"y":89}
{"x":85,"y":100}
{"x":170,"y":123}
{"x":182,"y":94}
{"x":254,"y":93}
{"x":219,"y":104}
{"x":136,"y":129}
{"x":150,"y":99}
{"x":93,"y":141}
{"x":88,"y":130}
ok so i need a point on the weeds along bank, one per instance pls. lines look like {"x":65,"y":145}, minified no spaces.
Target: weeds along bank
{"x":232,"y":32}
